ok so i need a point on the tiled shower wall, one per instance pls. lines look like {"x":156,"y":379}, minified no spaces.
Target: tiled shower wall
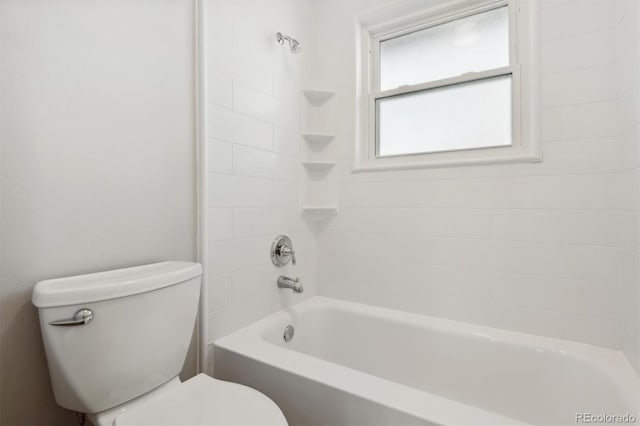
{"x":529,"y":247}
{"x":628,"y":114}
{"x":254,"y":157}
{"x":548,"y":248}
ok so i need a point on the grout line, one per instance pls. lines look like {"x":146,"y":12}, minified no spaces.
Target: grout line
{"x":553,"y":40}
{"x":502,"y":177}
{"x":488,"y":238}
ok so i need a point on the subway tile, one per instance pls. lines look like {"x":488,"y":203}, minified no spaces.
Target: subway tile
{"x":220,"y":323}
{"x":286,"y":194}
{"x":256,"y":104}
{"x":286,"y":84}
{"x":597,"y":192}
{"x":596,"y":299}
{"x":534,"y":292}
{"x":250,"y":222}
{"x":552,"y":124}
{"x":377,"y":295}
{"x":252,"y":283}
{"x":557,"y":226}
{"x":219,"y":23}
{"x":253,"y":35}
{"x":629,"y":149}
{"x":460,"y":309}
{"x":220,"y":123}
{"x":230,"y":126}
{"x":220,"y":224}
{"x":366,"y":269}
{"x":538,"y":322}
{"x":219,"y":87}
{"x":579,"y":52}
{"x":248,"y":253}
{"x":507,"y":192}
{"x":594,"y":330}
{"x":582,"y":156}
{"x":286,"y":141}
{"x":594,"y":120}
{"x":220,"y":258}
{"x":578,"y":87}
{"x":250,"y":71}
{"x":627,"y":109}
{"x":584,"y":16}
{"x":561,"y":295}
{"x":220,"y":157}
{"x":219,"y":292}
{"x":548,"y":4}
{"x":471,"y":283}
{"x":416,"y":221}
{"x":259,"y":163}
{"x":239,"y":191}
{"x":386,"y":194}
{"x":589,"y":263}
{"x":627,"y":67}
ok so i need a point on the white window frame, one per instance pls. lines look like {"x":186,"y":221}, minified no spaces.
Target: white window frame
{"x":381,"y":26}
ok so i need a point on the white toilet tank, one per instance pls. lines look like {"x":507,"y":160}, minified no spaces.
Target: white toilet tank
{"x":137,"y":339}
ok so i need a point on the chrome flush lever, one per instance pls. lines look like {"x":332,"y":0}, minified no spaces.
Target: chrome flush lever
{"x":82,"y":317}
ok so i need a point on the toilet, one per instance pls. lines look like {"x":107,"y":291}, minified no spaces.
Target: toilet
{"x":116,"y":341}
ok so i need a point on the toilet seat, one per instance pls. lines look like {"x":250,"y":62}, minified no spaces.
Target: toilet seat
{"x":203,"y":400}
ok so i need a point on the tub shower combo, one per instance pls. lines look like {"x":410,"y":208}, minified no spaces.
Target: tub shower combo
{"x":331,"y":362}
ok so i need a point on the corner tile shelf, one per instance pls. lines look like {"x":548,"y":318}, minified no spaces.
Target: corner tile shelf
{"x":319,"y":165}
{"x":318,"y":121}
{"x":318,"y":138}
{"x":317,"y":96}
{"x":320,"y":212}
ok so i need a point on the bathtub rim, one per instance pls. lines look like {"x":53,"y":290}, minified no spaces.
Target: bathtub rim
{"x":251,"y":342}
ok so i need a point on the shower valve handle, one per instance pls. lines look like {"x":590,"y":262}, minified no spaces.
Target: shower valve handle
{"x":288,"y":251}
{"x":282,"y":251}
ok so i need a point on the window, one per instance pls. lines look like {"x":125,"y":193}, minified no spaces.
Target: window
{"x":445,"y":86}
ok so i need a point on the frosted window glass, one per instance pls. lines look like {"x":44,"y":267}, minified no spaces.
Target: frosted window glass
{"x":475,"y":43}
{"x":463,"y":116}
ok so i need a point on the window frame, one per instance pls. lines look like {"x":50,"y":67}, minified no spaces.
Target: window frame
{"x":384,"y":26}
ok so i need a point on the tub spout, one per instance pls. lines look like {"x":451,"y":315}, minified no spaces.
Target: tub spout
{"x":286,"y":282}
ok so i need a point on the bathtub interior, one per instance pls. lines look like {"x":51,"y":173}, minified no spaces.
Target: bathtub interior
{"x":537,"y":382}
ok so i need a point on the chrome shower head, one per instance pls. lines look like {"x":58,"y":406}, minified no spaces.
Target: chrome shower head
{"x":294,"y":45}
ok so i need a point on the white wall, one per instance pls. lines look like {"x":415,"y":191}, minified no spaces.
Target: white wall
{"x":528,"y":247}
{"x":254,"y":157}
{"x":97,"y":160}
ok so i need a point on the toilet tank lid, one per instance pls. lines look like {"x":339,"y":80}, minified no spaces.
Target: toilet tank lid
{"x":112,"y":284}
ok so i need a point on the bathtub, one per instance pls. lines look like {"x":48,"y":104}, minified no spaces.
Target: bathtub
{"x":352,"y":364}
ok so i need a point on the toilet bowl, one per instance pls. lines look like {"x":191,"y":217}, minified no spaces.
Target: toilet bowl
{"x":201,"y":400}
{"x":116,"y":341}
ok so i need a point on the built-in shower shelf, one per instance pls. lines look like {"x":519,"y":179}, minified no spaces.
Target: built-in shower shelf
{"x":320,"y":212}
{"x":319,"y":165}
{"x":317,"y":96}
{"x":318,"y":138}
{"x":318,"y":118}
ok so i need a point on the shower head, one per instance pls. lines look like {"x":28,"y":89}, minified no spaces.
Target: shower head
{"x":294,"y":45}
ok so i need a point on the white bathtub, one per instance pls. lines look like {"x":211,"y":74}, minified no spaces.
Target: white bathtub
{"x":352,"y":364}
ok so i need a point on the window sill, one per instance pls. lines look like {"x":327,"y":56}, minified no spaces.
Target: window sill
{"x":405,"y":163}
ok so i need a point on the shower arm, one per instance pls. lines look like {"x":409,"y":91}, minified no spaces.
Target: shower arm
{"x":281,"y":38}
